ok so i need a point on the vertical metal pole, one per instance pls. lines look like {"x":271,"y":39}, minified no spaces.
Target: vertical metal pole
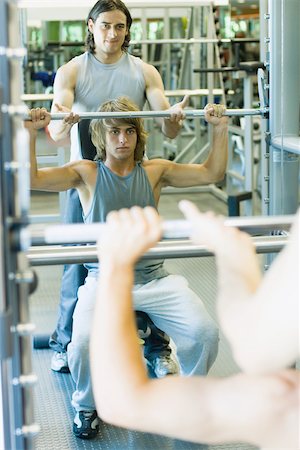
{"x":264,"y":146}
{"x":210,"y":63}
{"x":210,"y":54}
{"x":197,"y":62}
{"x":7,"y":422}
{"x":248,"y":143}
{"x":263,"y":27}
{"x":284,"y":102}
{"x":145,"y":33}
{"x":15,"y":349}
{"x":195,"y":48}
{"x":167,"y":52}
{"x":185,"y":79}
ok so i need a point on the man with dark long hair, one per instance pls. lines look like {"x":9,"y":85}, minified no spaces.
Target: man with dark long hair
{"x":105,"y":71}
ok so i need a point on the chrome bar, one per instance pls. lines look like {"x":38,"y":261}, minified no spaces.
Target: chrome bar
{"x":153,"y":114}
{"x":192,"y":41}
{"x":80,"y":254}
{"x":168,"y":93}
{"x":172,"y":229}
{"x":38,"y":5}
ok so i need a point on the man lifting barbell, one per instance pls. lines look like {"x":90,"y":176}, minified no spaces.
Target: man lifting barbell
{"x":121,"y":178}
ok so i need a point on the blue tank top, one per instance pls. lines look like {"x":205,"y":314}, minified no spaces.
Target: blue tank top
{"x":97,"y":82}
{"x":113,"y":192}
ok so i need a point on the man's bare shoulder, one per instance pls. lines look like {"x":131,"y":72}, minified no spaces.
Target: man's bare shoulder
{"x":84,"y":165}
{"x":148,"y":67}
{"x":156,"y":168}
{"x":86,"y":170}
{"x":68,"y":71}
{"x":149,"y":71}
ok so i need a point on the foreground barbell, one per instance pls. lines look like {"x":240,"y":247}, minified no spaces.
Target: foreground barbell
{"x":175,"y":248}
{"x":172,"y":229}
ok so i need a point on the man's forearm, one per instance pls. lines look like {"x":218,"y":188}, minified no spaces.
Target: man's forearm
{"x":216,"y":162}
{"x":238,"y":311}
{"x":33,"y":161}
{"x":59,"y":130}
{"x":118,"y":372}
{"x":251,"y":308}
{"x":171,"y":129}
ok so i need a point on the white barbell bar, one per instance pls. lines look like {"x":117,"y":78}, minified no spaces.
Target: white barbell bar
{"x":172,"y":229}
{"x":153,"y":114}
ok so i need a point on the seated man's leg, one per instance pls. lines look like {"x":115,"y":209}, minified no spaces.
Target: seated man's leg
{"x":175,"y":308}
{"x":73,"y":277}
{"x":86,"y":422}
{"x":157,"y":350}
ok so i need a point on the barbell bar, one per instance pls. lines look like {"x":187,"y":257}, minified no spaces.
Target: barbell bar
{"x":153,"y":114}
{"x":80,"y":254}
{"x":194,"y":41}
{"x":22,"y":111}
{"x":172,"y":229}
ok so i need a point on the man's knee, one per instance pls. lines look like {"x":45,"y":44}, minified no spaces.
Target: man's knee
{"x":204,"y":331}
{"x":211,"y":334}
{"x":80,"y":340}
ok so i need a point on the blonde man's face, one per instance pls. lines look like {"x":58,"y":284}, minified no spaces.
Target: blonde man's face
{"x":121,"y":141}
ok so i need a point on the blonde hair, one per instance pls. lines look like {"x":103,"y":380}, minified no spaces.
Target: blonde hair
{"x":98,"y":127}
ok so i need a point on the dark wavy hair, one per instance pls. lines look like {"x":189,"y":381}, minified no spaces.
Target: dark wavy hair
{"x":103,"y":6}
{"x":98,"y":127}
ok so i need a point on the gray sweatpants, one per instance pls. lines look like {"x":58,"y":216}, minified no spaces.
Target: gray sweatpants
{"x":172,"y":306}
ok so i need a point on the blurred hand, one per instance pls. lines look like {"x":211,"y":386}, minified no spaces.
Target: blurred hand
{"x":228,"y":242}
{"x":128,"y":235}
{"x":207,"y":228}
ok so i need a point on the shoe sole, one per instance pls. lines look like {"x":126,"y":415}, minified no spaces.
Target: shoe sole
{"x":62,"y":370}
{"x":86,"y":437}
{"x":80,"y":435}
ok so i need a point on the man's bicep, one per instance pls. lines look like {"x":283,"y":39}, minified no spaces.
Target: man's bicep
{"x":184,"y":175}
{"x":63,"y":89}
{"x":57,"y":179}
{"x":154,"y":89}
{"x":157,"y":100}
{"x":64,"y":97}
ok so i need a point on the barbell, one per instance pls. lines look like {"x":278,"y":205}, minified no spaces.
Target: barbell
{"x":172,"y":229}
{"x":22,"y":111}
{"x":47,"y":249}
{"x":153,"y":114}
{"x":167,"y":249}
{"x":192,"y":113}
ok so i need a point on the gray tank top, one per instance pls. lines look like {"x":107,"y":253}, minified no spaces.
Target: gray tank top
{"x":98,"y":82}
{"x":113,"y":192}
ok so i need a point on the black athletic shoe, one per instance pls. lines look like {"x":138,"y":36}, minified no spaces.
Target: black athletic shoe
{"x":86,"y":424}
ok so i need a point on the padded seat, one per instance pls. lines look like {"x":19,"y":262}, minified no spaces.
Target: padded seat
{"x":88,"y":150}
